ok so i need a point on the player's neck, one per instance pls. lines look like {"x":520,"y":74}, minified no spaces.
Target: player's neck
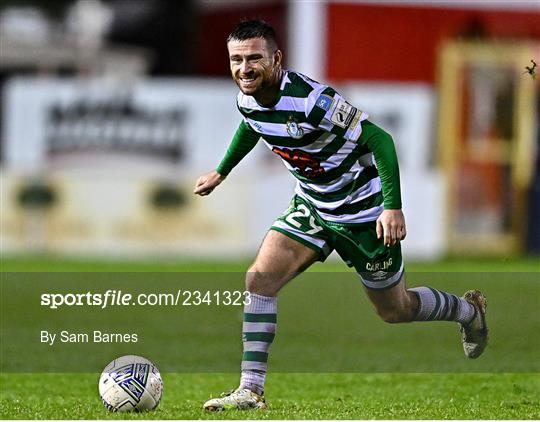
{"x":270,"y":96}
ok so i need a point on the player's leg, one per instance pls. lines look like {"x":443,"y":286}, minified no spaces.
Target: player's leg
{"x":286,"y":251}
{"x":399,"y":304}
{"x":279,"y":260}
{"x":381,"y":271}
{"x":395,"y":304}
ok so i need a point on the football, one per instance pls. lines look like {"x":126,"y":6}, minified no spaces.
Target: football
{"x":130,"y":383}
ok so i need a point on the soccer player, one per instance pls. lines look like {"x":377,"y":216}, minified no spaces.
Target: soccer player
{"x":347,"y":198}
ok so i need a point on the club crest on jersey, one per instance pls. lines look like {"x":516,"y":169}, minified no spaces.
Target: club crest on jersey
{"x":294,"y":129}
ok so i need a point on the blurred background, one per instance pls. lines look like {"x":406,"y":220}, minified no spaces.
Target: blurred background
{"x":110,"y":110}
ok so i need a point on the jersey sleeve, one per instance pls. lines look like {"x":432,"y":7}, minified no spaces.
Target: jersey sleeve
{"x":382,"y":145}
{"x":243,"y":142}
{"x":326,"y":109}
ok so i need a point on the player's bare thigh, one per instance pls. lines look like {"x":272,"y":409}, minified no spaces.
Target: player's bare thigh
{"x":278,"y":261}
{"x":396,"y":304}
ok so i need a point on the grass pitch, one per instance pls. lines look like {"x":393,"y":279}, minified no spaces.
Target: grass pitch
{"x":455,"y":394}
{"x":290,"y":396}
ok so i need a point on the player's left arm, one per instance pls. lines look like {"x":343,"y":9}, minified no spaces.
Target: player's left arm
{"x":391,"y":222}
{"x":326,"y":109}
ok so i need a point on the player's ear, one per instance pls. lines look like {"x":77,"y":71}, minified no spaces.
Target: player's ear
{"x":278,"y":57}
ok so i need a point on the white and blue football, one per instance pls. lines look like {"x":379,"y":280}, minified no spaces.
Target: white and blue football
{"x":130,"y":383}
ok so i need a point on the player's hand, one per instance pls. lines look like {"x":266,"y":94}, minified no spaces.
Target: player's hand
{"x":207,"y":183}
{"x":391,"y":226}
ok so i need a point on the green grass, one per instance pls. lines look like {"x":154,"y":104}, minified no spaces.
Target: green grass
{"x":54,"y":263}
{"x":292,"y":396}
{"x":327,"y":326}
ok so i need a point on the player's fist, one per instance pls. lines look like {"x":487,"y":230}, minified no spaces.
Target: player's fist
{"x":207,"y":183}
{"x":391,"y":226}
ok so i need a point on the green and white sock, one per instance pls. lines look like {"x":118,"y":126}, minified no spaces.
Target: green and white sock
{"x":259,"y":329}
{"x":441,"y":306}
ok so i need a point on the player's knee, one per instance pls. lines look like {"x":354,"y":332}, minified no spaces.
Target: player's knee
{"x":253,"y":279}
{"x":261,"y":282}
{"x":394,"y":315}
{"x":389,"y":316}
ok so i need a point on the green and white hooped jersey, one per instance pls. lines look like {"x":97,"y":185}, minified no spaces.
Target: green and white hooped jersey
{"x":315,"y":131}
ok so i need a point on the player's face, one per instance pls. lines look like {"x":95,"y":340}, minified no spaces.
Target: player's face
{"x":254,"y":66}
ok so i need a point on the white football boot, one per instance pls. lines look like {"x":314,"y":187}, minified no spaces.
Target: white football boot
{"x":474,"y":335}
{"x":241,"y":398}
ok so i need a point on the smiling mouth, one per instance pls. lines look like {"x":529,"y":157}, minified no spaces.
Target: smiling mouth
{"x":248,"y":80}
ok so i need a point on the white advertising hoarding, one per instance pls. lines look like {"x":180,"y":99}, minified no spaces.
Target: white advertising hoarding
{"x":109,"y":149}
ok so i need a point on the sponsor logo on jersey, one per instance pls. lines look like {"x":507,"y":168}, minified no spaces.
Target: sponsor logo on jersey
{"x":343,"y":114}
{"x":379,"y":265}
{"x":294,"y":129}
{"x":303,"y":162}
{"x":324,"y":101}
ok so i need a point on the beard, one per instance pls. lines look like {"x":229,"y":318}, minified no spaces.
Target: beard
{"x":263,"y":83}
{"x":255,"y":89}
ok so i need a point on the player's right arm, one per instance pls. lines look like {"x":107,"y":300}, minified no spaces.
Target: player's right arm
{"x":207,"y":183}
{"x":243,"y":142}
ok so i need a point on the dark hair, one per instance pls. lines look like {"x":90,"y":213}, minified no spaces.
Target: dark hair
{"x":255,"y":28}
